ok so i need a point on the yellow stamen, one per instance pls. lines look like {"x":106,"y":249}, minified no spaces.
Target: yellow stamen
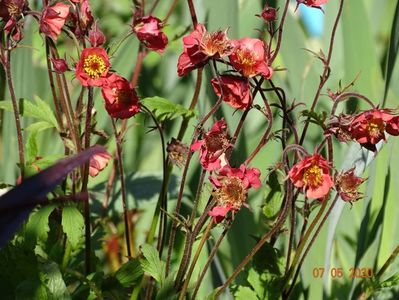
{"x":94,"y":66}
{"x":313,"y":176}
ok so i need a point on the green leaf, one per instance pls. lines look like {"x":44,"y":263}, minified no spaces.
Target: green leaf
{"x":390,"y":282}
{"x":39,"y":126}
{"x":273,"y":196}
{"x":392,"y":52}
{"x":31,"y":289}
{"x":54,"y":281}
{"x":167,"y":289}
{"x":129,"y":273}
{"x":41,"y":111}
{"x":244,"y":293}
{"x":165,"y":109}
{"x":37,"y":227}
{"x":72,"y":224}
{"x":31,"y":147}
{"x":152,"y":264}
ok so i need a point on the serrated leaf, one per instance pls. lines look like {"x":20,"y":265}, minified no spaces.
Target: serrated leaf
{"x":390,"y":282}
{"x":273,"y":196}
{"x":37,"y":227}
{"x":152,"y":264}
{"x":129,"y":273}
{"x":165,"y":109}
{"x":31,"y":147}
{"x":72,"y":224}
{"x":41,"y":111}
{"x":54,"y":281}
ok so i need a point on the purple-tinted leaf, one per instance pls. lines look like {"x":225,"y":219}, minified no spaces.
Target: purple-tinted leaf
{"x":16,"y":204}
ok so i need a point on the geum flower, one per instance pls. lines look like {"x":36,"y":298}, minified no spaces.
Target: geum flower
{"x":312,"y":3}
{"x":98,"y":162}
{"x":53,"y":19}
{"x":149,"y":31}
{"x":249,"y":57}
{"x":11,"y":12}
{"x":231,"y":187}
{"x":92,"y":67}
{"x":200,"y":46}
{"x":236,"y":90}
{"x":312,"y":174}
{"x":347,"y":184}
{"x":213,"y":147}
{"x":368,"y":127}
{"x":120,"y":98}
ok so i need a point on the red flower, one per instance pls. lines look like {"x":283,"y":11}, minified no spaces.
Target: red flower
{"x":98,"y":162}
{"x":313,"y":175}
{"x":59,"y":65}
{"x":200,"y":46}
{"x":149,"y":31}
{"x":53,"y":19}
{"x":96,"y":36}
{"x":121,"y":100}
{"x":392,"y":126}
{"x":249,"y":57}
{"x":92,"y":68}
{"x":347,"y":184}
{"x":213,"y":146}
{"x":236,"y":90}
{"x":312,"y":3}
{"x":368,"y":127}
{"x":231,"y":189}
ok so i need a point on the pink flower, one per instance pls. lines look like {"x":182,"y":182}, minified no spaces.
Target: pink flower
{"x":149,"y":31}
{"x":200,"y":46}
{"x":92,"y":67}
{"x":59,"y":65}
{"x":313,"y":3}
{"x":98,"y":162}
{"x":392,"y":126}
{"x":121,"y":100}
{"x":231,"y":189}
{"x":96,"y":36}
{"x":347,"y":184}
{"x":250,"y":58}
{"x":369,"y":126}
{"x":236,"y":90}
{"x":313,"y":175}
{"x":53,"y":19}
{"x":212,"y":147}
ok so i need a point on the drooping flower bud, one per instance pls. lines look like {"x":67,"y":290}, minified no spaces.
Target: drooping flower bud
{"x":96,"y":36}
{"x":53,"y":19}
{"x":59,"y":65}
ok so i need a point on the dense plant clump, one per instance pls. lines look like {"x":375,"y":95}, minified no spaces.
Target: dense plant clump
{"x":75,"y":250}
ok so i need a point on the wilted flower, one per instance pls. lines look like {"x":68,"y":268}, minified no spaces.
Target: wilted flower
{"x":340,"y":127}
{"x":369,"y":126}
{"x":347,"y":184}
{"x":59,"y":65}
{"x":149,"y":31}
{"x":96,"y":36}
{"x":231,"y":189}
{"x":53,"y":19}
{"x":213,"y":146}
{"x":249,"y":57}
{"x":392,"y":126}
{"x":236,"y":90}
{"x":121,"y":100}
{"x":200,"y":46}
{"x":313,"y":175}
{"x":92,"y":68}
{"x":98,"y":162}
{"x":11,"y":11}
{"x":177,"y":152}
